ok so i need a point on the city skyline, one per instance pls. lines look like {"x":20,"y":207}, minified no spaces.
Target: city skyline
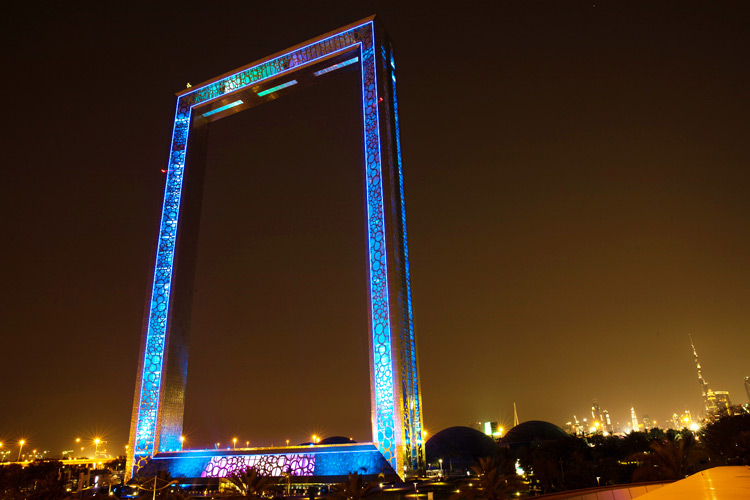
{"x":576,"y":189}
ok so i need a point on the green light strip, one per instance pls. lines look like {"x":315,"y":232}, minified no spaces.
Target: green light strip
{"x":222,"y":108}
{"x":336,"y":66}
{"x":277,"y":87}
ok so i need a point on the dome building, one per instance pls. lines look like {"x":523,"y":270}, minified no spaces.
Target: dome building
{"x":532,"y":431}
{"x":459,"y":447}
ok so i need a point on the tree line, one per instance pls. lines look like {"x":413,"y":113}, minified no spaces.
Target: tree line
{"x":570,"y":463}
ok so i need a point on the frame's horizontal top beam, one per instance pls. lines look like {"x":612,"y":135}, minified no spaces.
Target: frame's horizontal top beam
{"x":277,"y":54}
{"x":275,"y":86}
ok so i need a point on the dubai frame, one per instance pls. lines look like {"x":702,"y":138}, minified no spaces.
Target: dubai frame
{"x":157,"y":419}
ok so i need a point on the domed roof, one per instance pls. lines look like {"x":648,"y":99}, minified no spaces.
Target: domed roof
{"x":462,"y":444}
{"x":531,"y":431}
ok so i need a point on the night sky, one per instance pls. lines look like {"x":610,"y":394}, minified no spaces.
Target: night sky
{"x":577,"y":192}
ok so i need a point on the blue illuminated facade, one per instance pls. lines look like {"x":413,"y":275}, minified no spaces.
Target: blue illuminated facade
{"x":396,"y":403}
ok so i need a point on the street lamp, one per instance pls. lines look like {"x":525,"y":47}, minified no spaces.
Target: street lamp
{"x":247,"y":444}
{"x":20,"y":447}
{"x":234,"y":443}
{"x":96,"y":446}
{"x":182,"y":442}
{"x":441,"y":467}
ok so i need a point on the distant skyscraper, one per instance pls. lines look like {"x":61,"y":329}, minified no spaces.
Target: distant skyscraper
{"x":676,"y":423}
{"x":633,"y":418}
{"x":647,"y":423}
{"x":607,"y":422}
{"x":715,"y":403}
{"x":687,"y":417}
{"x":705,"y":390}
{"x":600,"y":418}
{"x":747,"y":388}
{"x":596,"y":412}
{"x":578,"y":426}
{"x":710,"y":404}
{"x":722,"y":402}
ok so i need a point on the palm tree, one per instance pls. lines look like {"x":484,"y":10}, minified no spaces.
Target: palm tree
{"x":728,"y":440}
{"x":669,"y":458}
{"x":13,"y":479}
{"x":251,"y":484}
{"x":354,"y":488}
{"x":51,"y":487}
{"x":494,"y":481}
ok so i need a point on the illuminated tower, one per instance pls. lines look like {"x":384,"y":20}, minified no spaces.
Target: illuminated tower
{"x":579,"y":428}
{"x":709,"y":402}
{"x":607,"y":422}
{"x":647,"y":423}
{"x":633,"y":418}
{"x":747,"y":388}
{"x":596,"y":412}
{"x":723,"y":403}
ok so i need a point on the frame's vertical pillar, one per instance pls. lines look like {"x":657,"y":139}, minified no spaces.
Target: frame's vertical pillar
{"x":407,"y":406}
{"x":386,"y":423}
{"x":159,"y":400}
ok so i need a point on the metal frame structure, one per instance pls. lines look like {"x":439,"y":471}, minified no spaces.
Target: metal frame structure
{"x":396,"y":406}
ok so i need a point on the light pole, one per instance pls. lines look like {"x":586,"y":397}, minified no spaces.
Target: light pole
{"x":158,"y":489}
{"x":20,"y":447}
{"x":182,"y":442}
{"x":234,"y":443}
{"x":288,"y":477}
{"x":441,"y":467}
{"x":96,"y":446}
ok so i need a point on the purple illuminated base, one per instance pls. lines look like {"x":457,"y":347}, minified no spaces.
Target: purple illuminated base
{"x":320,"y":463}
